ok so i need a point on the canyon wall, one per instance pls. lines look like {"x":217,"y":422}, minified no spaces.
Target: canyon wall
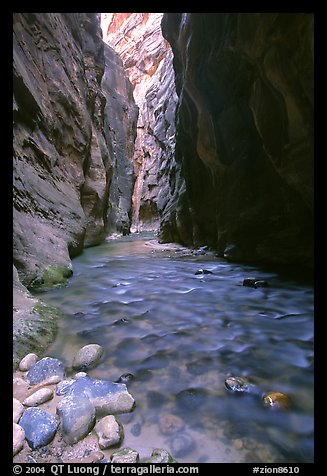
{"x":65,"y":161}
{"x":147,"y":59}
{"x":243,"y":176}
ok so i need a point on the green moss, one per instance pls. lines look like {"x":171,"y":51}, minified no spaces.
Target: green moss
{"x":34,"y":331}
{"x":52,"y":276}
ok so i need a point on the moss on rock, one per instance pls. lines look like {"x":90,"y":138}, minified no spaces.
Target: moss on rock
{"x":54,"y":275}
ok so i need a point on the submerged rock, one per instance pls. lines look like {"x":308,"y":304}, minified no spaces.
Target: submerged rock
{"x":18,"y":438}
{"x":181,"y":444}
{"x":125,"y":455}
{"x":110,"y":432}
{"x":18,"y":410}
{"x":203,"y":271}
{"x":276,"y":400}
{"x":107,"y":397}
{"x":240,"y":384}
{"x":77,"y":418}
{"x":39,"y":426}
{"x":255,"y":283}
{"x":27,"y":362}
{"x":87,"y":357}
{"x":124,"y":378}
{"x":170,"y":424}
{"x":45,"y":368}
{"x":38,"y":397}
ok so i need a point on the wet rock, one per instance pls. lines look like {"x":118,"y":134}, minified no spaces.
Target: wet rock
{"x":27,"y":362}
{"x":182,"y":444}
{"x":276,"y":400}
{"x":124,"y":378}
{"x":203,"y":271}
{"x":136,"y":429}
{"x":240,"y":385}
{"x":18,"y":410}
{"x":107,"y":397}
{"x":170,"y":424}
{"x":125,"y":455}
{"x":159,"y":455}
{"x":77,"y":418}
{"x":87,"y":357}
{"x":39,"y":425}
{"x":191,"y":399}
{"x":255,"y":283}
{"x":18,"y":438}
{"x":63,"y":386}
{"x":45,"y":368}
{"x":38,"y":397}
{"x":110,"y":432}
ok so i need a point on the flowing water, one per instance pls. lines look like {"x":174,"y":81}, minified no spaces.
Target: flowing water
{"x":181,"y":335}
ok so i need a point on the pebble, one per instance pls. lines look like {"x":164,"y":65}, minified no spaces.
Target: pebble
{"x":136,"y":429}
{"x":77,"y":418}
{"x":170,"y":424}
{"x":125,"y":378}
{"x":159,"y":455}
{"x":237,"y":384}
{"x":18,"y":438}
{"x":80,"y":375}
{"x":39,"y":425}
{"x":276,"y":400}
{"x":18,"y":410}
{"x":109,"y":431}
{"x":238,"y":444}
{"x":38,"y":397}
{"x":45,"y":368}
{"x":88,"y":356}
{"x":27,"y":362}
{"x":125,"y":455}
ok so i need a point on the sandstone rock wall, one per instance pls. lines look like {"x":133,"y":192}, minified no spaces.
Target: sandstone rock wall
{"x":244,"y":135}
{"x":147,"y":59}
{"x":66,"y":148}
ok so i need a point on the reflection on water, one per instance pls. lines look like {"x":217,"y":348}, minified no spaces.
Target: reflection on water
{"x":181,"y":334}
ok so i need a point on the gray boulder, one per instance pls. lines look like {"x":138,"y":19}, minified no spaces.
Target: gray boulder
{"x":39,"y":426}
{"x":77,"y":418}
{"x":107,"y":397}
{"x":45,"y":368}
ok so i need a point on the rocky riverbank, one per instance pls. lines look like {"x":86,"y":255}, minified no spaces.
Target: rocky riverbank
{"x":61,"y":419}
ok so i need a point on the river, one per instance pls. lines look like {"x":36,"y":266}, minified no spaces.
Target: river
{"x":181,"y":334}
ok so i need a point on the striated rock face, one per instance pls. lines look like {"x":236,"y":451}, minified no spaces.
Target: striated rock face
{"x":68,"y":143}
{"x":243,"y":177}
{"x":147,"y":60}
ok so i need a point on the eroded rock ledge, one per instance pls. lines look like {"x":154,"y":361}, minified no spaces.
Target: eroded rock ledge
{"x":67,"y":150}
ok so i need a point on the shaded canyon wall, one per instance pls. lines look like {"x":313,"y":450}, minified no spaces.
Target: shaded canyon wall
{"x":243,"y":177}
{"x":147,"y":59}
{"x":66,"y":150}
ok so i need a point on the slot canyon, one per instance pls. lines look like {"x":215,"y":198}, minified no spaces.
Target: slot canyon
{"x":163,"y":237}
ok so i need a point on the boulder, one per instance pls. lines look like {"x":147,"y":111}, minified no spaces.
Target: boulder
{"x":44,"y":369}
{"x":109,"y":431}
{"x":77,"y":418}
{"x":107,"y":397}
{"x":39,"y":426}
{"x":87,"y":357}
